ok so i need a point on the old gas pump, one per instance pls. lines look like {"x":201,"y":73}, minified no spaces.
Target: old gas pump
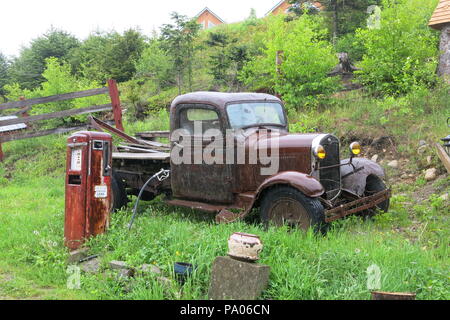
{"x":88,"y":186}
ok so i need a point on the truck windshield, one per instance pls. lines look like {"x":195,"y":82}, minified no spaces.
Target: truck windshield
{"x":251,"y":114}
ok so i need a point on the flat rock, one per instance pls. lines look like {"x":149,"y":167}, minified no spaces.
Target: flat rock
{"x":125,"y":273}
{"x":149,"y":268}
{"x":237,"y":280}
{"x":375,"y":158}
{"x":91,"y":266}
{"x":431,"y":174}
{"x":77,"y":255}
{"x":393,"y":164}
{"x":117,"y":265}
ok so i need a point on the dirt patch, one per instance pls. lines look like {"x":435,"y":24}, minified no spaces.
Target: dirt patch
{"x":424,"y":193}
{"x":3,"y":279}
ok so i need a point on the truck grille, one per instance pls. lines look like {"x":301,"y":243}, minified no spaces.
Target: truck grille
{"x":330,"y":178}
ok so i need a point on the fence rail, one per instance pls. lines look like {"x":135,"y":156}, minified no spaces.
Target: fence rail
{"x":26,"y":105}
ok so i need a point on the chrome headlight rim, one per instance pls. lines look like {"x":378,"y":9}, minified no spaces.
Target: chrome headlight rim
{"x":319,"y":152}
{"x":355,"y":148}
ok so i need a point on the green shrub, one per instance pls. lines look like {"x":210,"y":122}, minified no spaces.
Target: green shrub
{"x":307,"y":60}
{"x":402,"y":54}
{"x":352,"y":45}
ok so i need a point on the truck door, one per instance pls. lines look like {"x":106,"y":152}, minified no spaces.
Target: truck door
{"x":199,"y":134}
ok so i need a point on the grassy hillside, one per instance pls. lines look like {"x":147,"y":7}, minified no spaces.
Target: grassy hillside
{"x":409,"y":244}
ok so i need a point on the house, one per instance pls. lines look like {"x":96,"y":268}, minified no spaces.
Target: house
{"x":283,"y":6}
{"x":208,"y":19}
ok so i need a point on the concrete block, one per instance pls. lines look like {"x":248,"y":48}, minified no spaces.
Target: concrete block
{"x":237,"y":280}
{"x":118,"y":265}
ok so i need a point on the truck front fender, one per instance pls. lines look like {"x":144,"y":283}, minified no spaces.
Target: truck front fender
{"x":354,"y":176}
{"x":306,"y":184}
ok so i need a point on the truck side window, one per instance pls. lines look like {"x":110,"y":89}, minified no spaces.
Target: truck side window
{"x":209,"y":119}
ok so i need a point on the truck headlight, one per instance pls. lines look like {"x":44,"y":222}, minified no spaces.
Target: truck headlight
{"x":355,"y":148}
{"x":319,"y":152}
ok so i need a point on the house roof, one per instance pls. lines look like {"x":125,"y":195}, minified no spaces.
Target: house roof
{"x":315,"y":3}
{"x":441,"y":15}
{"x":210,"y":11}
{"x":276,"y":6}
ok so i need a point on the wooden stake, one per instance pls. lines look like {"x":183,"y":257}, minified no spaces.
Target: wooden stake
{"x":115,"y":101}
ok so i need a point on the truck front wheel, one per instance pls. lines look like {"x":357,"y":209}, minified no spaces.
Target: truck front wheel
{"x":285,"y":205}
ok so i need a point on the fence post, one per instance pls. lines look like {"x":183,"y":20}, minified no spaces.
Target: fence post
{"x":115,"y":101}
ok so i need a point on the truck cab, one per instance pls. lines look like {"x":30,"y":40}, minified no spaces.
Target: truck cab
{"x":232,"y":152}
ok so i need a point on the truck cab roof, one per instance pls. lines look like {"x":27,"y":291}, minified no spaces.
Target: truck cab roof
{"x":221,"y":99}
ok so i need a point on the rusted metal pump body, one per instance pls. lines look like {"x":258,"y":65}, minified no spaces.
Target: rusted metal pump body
{"x":88,"y":186}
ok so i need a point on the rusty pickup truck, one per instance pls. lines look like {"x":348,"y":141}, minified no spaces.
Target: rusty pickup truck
{"x":231,"y":153}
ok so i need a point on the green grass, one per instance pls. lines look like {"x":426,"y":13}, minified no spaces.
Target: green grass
{"x":409,"y":244}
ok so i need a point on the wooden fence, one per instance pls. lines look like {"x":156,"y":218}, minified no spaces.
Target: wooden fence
{"x":22,"y":116}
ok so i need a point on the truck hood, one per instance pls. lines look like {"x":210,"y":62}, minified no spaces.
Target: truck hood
{"x":282,"y":139}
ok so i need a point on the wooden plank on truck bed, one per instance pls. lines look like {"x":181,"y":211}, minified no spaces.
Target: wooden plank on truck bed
{"x":142,"y":156}
{"x":136,"y":149}
{"x":153,"y":134}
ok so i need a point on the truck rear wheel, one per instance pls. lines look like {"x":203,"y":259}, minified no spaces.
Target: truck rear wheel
{"x":284,"y":205}
{"x":119,"y":197}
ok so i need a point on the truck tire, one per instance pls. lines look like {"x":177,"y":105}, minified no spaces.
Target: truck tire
{"x":374,"y":185}
{"x":119,"y":197}
{"x":286,"y":205}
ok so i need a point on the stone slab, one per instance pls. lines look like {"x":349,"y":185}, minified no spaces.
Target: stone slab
{"x":233,"y":279}
{"x":118,"y":265}
{"x":91,"y":266}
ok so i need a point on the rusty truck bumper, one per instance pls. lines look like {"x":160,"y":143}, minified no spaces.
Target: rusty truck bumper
{"x":356,"y":206}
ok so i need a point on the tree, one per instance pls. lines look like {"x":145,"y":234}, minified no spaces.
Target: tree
{"x":252,"y":19}
{"x":219,"y":60}
{"x":227,"y":59}
{"x":89,"y":59}
{"x":122,"y":54}
{"x":108,"y":55}
{"x":155,"y":63}
{"x":4,"y":66}
{"x":28,"y":67}
{"x":178,"y":40}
